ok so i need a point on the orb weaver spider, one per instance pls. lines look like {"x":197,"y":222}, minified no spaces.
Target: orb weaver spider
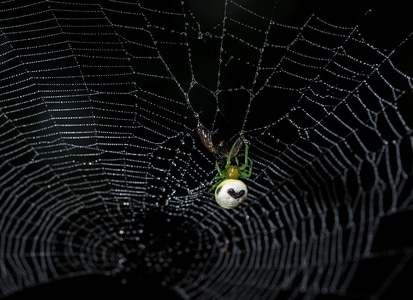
{"x":230,"y":191}
{"x":233,"y":171}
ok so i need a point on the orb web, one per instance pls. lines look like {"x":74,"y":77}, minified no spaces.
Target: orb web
{"x":103,"y":173}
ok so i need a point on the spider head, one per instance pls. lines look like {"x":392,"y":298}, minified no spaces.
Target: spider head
{"x":232,"y":172}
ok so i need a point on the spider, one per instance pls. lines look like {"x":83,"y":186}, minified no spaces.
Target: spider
{"x":230,"y":191}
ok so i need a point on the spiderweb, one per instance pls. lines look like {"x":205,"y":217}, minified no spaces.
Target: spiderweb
{"x":104,"y":180}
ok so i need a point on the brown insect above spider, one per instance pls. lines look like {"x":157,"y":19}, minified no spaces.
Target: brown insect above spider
{"x":230,"y":191}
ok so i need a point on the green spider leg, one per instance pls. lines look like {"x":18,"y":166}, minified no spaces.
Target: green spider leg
{"x":222,"y":173}
{"x":247,"y":163}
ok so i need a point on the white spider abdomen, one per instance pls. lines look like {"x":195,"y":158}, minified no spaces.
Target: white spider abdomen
{"x":230,"y":193}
